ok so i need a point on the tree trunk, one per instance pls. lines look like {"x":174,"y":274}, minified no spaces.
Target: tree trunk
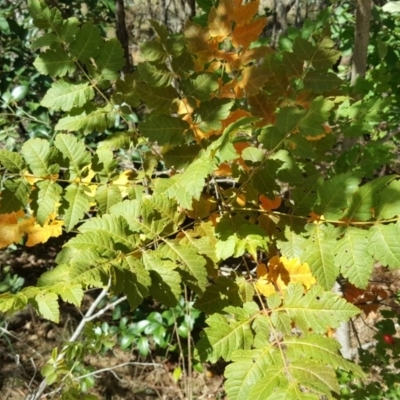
{"x":361,"y":39}
{"x":122,"y":33}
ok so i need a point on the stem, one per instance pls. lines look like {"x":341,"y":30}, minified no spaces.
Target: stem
{"x":88,"y":316}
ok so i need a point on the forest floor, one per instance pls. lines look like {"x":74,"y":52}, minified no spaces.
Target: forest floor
{"x":26,"y":342}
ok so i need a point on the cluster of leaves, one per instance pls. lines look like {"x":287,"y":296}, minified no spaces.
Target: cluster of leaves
{"x":238,"y":164}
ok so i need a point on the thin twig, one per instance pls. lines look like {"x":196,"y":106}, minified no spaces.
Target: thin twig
{"x":42,"y":387}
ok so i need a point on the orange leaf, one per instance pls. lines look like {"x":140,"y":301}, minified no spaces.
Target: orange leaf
{"x":262,"y":270}
{"x":202,"y":208}
{"x":234,"y":116}
{"x":253,"y":79}
{"x":245,"y":13}
{"x":263,"y":107}
{"x":223,"y":170}
{"x":268,"y":204}
{"x":219,"y":19}
{"x":243,"y":35}
{"x":250,"y":55}
{"x":240,"y":146}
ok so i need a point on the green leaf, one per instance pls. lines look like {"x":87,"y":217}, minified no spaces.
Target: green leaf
{"x":72,"y":294}
{"x":65,"y":96}
{"x":264,"y":180}
{"x":270,"y":137}
{"x":75,"y":152}
{"x":320,"y":82}
{"x":110,"y":60}
{"x":141,"y":217}
{"x":164,"y":129}
{"x":39,"y":156}
{"x":106,"y":197}
{"x":161,"y":100}
{"x":293,"y":244}
{"x":75,"y":204}
{"x":193,"y":265}
{"x":11,"y":160}
{"x":14,"y":196}
{"x":153,"y":51}
{"x":87,"y":43}
{"x":384,"y":245}
{"x":156,"y":76}
{"x":352,"y":257}
{"x":188,"y":185}
{"x":335,"y":194}
{"x":45,"y":200}
{"x":303,"y":49}
{"x":136,"y":281}
{"x":288,"y":118}
{"x":305,"y":195}
{"x":103,"y":162}
{"x":318,"y":113}
{"x":253,"y":154}
{"x":299,"y":146}
{"x":320,"y":349}
{"x":201,"y":87}
{"x":217,"y":297}
{"x":166,"y":283}
{"x":180,"y":157}
{"x":212,"y":112}
{"x":90,"y":120}
{"x":114,"y":226}
{"x":43,"y":16}
{"x":363,"y":201}
{"x":249,"y":367}
{"x":69,"y":29}
{"x":389,"y":201}
{"x":44,"y":41}
{"x":98,"y":241}
{"x":326,"y":54}
{"x":47,"y":306}
{"x":319,"y":253}
{"x":315,"y":310}
{"x":227,"y":333}
{"x":54,"y":62}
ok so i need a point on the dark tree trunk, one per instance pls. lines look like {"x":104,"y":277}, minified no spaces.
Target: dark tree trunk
{"x":122,"y":33}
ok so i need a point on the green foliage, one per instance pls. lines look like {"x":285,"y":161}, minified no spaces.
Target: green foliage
{"x":235,"y":160}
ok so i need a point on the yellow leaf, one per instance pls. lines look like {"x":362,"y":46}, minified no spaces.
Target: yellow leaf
{"x":41,"y":234}
{"x":241,"y":200}
{"x":298,"y":272}
{"x":123,"y":182}
{"x":32,"y":179}
{"x":12,"y":227}
{"x":264,"y":287}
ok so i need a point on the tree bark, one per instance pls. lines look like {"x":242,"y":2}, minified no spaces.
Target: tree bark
{"x":361,"y":39}
{"x":122,"y":33}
